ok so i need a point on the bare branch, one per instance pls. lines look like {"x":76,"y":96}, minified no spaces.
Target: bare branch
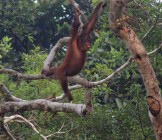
{"x":17,"y":118}
{"x":20,"y":75}
{"x":76,"y":6}
{"x":8,"y":95}
{"x":52,"y":53}
{"x":42,"y":104}
{"x":7,"y":131}
{"x":144,"y":9}
{"x":112,"y":75}
{"x":88,"y":100}
{"x":152,"y":28}
{"x":58,"y":132}
{"x":74,"y":79}
{"x":157,"y":49}
{"x":11,"y":118}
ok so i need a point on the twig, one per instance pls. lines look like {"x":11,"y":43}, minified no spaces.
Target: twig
{"x":11,"y":118}
{"x":152,"y":27}
{"x":143,"y":9}
{"x":146,"y":34}
{"x":7,"y":131}
{"x":58,"y":132}
{"x":14,"y":117}
{"x":76,"y":6}
{"x":157,"y":49}
{"x":113,"y":74}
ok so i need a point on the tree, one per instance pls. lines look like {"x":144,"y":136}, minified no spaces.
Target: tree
{"x":141,"y":58}
{"x":119,"y":105}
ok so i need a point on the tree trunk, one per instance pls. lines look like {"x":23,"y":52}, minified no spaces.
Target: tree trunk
{"x":141,"y":58}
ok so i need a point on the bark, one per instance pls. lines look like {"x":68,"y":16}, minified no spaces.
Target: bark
{"x":43,"y":105}
{"x":88,"y":101}
{"x":141,"y":58}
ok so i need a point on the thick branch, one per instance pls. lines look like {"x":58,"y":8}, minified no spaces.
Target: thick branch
{"x":7,"y":94}
{"x":52,"y":53}
{"x":74,"y":79}
{"x":20,"y":75}
{"x":43,"y":105}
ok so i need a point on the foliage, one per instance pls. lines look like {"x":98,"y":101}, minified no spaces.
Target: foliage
{"x":28,"y":29}
{"x":5,"y":46}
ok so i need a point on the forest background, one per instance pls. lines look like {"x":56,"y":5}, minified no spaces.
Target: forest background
{"x":29,"y":29}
